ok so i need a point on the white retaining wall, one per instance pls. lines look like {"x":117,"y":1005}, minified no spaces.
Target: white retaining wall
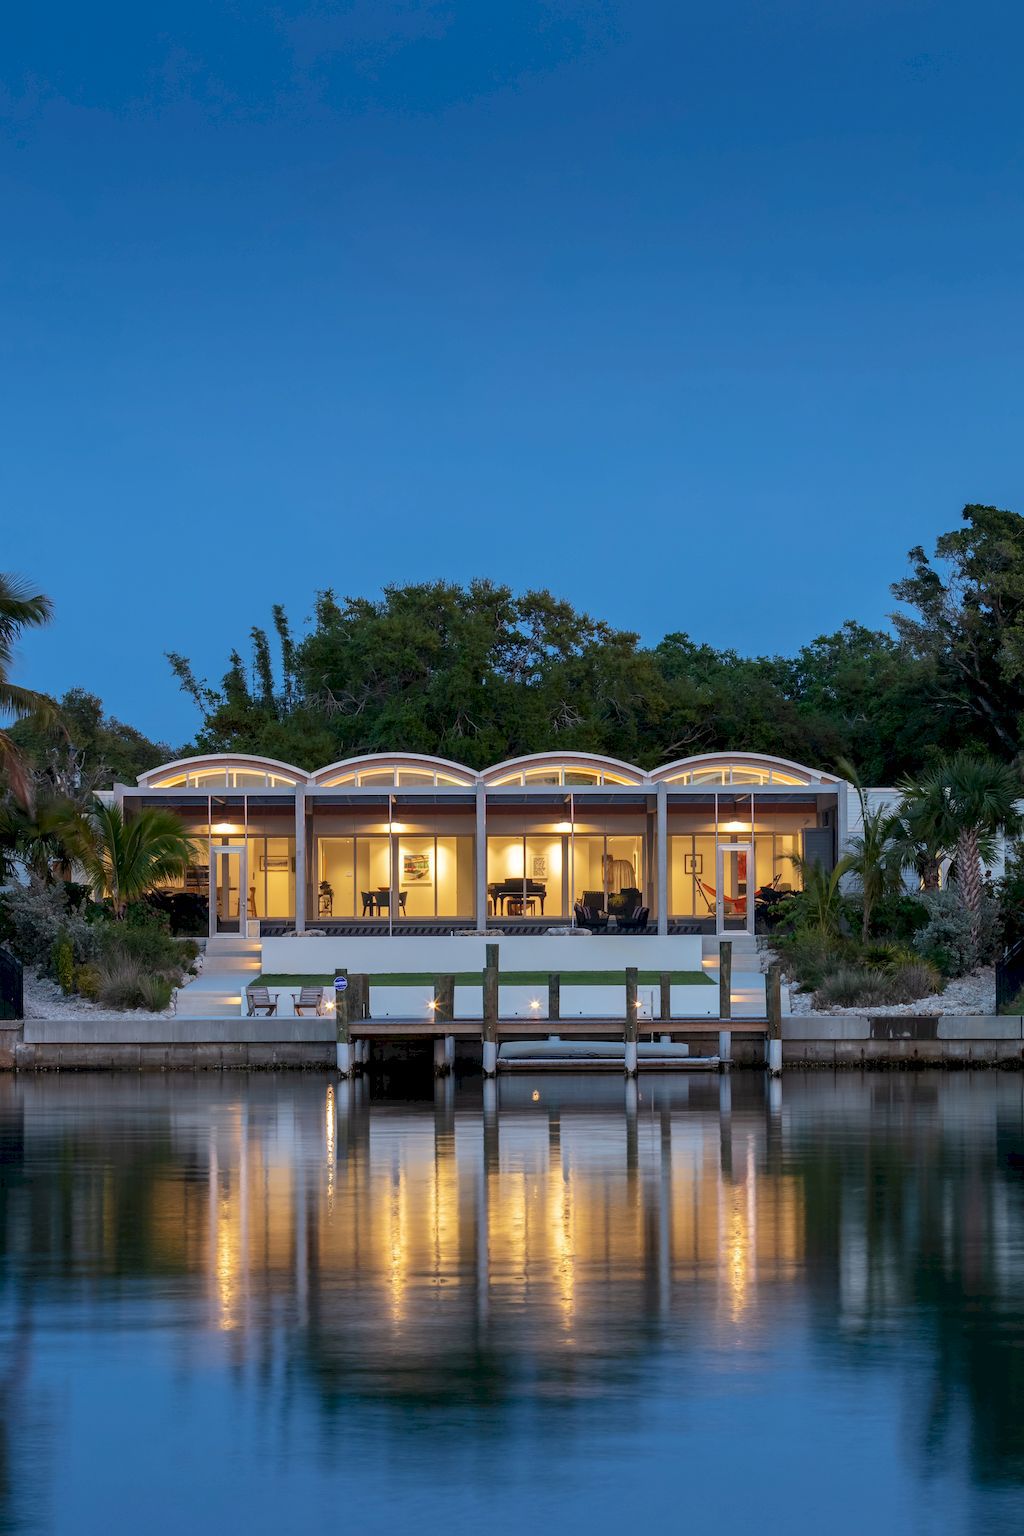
{"x":438,"y":956}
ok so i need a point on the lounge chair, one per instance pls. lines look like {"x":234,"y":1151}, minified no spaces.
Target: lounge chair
{"x":260,"y":1001}
{"x":308,"y":997}
{"x":586,"y":917}
{"x":636,"y":922}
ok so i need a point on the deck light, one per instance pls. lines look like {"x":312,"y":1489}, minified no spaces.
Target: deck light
{"x":534,"y":1002}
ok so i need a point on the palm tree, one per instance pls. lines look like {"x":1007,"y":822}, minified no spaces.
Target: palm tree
{"x":126,"y":859}
{"x":822,"y":891}
{"x":874,"y":857}
{"x":20,"y":608}
{"x":44,"y":837}
{"x":967,"y":802}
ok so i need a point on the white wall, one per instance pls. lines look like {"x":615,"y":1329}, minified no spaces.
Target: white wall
{"x":437,"y":956}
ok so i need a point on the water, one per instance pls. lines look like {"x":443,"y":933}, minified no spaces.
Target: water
{"x":266,"y":1305}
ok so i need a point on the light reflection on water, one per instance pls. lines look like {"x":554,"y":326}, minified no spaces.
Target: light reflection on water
{"x":266,"y":1303}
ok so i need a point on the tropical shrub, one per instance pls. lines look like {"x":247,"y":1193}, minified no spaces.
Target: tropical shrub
{"x":852,"y":986}
{"x":62,"y":964}
{"x":187,"y":912}
{"x":33,"y":921}
{"x":907,"y":980}
{"x":808,"y":956}
{"x":127,"y":983}
{"x":955,"y":939}
{"x":87,"y":982}
{"x":899,"y":917}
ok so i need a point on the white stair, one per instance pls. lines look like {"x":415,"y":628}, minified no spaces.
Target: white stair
{"x":230,"y":964}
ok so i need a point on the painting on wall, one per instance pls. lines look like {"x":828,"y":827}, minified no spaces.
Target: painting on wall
{"x":693,"y":863}
{"x":415,"y":867}
{"x":540,"y":866}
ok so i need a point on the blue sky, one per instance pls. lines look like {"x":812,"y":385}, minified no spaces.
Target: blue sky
{"x":701,"y":315}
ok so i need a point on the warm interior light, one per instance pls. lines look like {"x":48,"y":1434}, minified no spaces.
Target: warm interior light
{"x":563,"y":826}
{"x":736,"y":826}
{"x":225,"y":828}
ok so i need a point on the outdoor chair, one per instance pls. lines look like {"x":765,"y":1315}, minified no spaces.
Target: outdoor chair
{"x":260,"y":1001}
{"x":308,"y":997}
{"x":586,"y":917}
{"x":637,"y":922}
{"x":594,"y":900}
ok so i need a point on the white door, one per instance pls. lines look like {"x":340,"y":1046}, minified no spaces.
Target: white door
{"x":229,"y":897}
{"x":734,"y":888}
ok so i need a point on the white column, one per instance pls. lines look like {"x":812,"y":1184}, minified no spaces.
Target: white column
{"x":481,"y":856}
{"x":661,"y":852}
{"x":300,"y":859}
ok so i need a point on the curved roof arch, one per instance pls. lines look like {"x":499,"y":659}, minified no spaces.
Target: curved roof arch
{"x":184,"y":768}
{"x":446,"y":770}
{"x":605,"y":768}
{"x":779,"y":770}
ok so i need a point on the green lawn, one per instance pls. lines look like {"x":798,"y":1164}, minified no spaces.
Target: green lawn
{"x":506,"y":979}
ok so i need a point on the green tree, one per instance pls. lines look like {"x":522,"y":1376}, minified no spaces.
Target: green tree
{"x":967,"y":622}
{"x":874,"y":858}
{"x":20,"y":609}
{"x":95,"y":751}
{"x":967,"y":801}
{"x":127,"y":859}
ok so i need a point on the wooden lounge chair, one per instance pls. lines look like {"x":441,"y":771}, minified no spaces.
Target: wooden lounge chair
{"x":260,"y":1001}
{"x":309,"y":997}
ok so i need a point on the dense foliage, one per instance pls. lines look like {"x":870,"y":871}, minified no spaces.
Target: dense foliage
{"x":478,"y":674}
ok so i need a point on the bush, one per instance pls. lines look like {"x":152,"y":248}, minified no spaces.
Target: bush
{"x":808,"y":957}
{"x":899,"y":918}
{"x":35,"y":919}
{"x":87,"y":982}
{"x":947,"y":940}
{"x":143,"y":938}
{"x":62,"y":964}
{"x":187,"y":912}
{"x":908,"y":980}
{"x":125,"y":983}
{"x":852,"y":986}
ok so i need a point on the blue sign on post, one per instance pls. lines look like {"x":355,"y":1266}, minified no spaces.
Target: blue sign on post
{"x":340,"y":983}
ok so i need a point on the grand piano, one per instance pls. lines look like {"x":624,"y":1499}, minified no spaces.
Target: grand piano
{"x":517,"y":898}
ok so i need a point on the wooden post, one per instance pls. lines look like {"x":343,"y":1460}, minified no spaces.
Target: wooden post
{"x":665,"y":1001}
{"x":490,"y":1011}
{"x":554,"y":999}
{"x":444,"y":998}
{"x":632,"y":1023}
{"x":725,"y":1001}
{"x":773,"y":999}
{"x":342,"y":1003}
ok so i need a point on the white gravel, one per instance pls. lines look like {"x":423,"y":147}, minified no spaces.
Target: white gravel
{"x":967,"y":995}
{"x":45,"y":1000}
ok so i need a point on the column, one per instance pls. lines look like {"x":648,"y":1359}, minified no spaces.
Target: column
{"x":300,"y":859}
{"x":661,"y":850}
{"x":481,"y":856}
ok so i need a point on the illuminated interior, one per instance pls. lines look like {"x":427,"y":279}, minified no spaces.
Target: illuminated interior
{"x":433,"y":876}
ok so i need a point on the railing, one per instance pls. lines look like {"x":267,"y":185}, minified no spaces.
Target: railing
{"x":1009,"y":976}
{"x":12,"y":987}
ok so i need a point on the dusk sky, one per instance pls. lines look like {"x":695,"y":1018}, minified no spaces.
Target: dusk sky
{"x":699,"y":315}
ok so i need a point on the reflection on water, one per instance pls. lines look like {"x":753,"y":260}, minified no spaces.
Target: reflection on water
{"x":263,"y":1303}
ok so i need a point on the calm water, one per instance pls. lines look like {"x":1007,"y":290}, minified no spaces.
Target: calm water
{"x":256,"y":1305}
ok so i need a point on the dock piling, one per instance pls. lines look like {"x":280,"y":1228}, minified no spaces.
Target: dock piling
{"x":773,"y":999}
{"x":444,"y":1011}
{"x":725,"y":1003}
{"x":343,"y":1039}
{"x":490,"y":1011}
{"x":632,"y":1022}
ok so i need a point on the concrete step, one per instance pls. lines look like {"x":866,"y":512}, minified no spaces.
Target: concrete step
{"x":232,"y":944}
{"x":225,"y":1004}
{"x":232,"y":965}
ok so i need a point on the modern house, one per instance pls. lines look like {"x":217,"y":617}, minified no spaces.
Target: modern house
{"x":402,"y":843}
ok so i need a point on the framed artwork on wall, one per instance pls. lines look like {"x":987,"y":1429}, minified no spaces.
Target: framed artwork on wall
{"x":540,"y":866}
{"x":415,"y":867}
{"x":693,"y":863}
